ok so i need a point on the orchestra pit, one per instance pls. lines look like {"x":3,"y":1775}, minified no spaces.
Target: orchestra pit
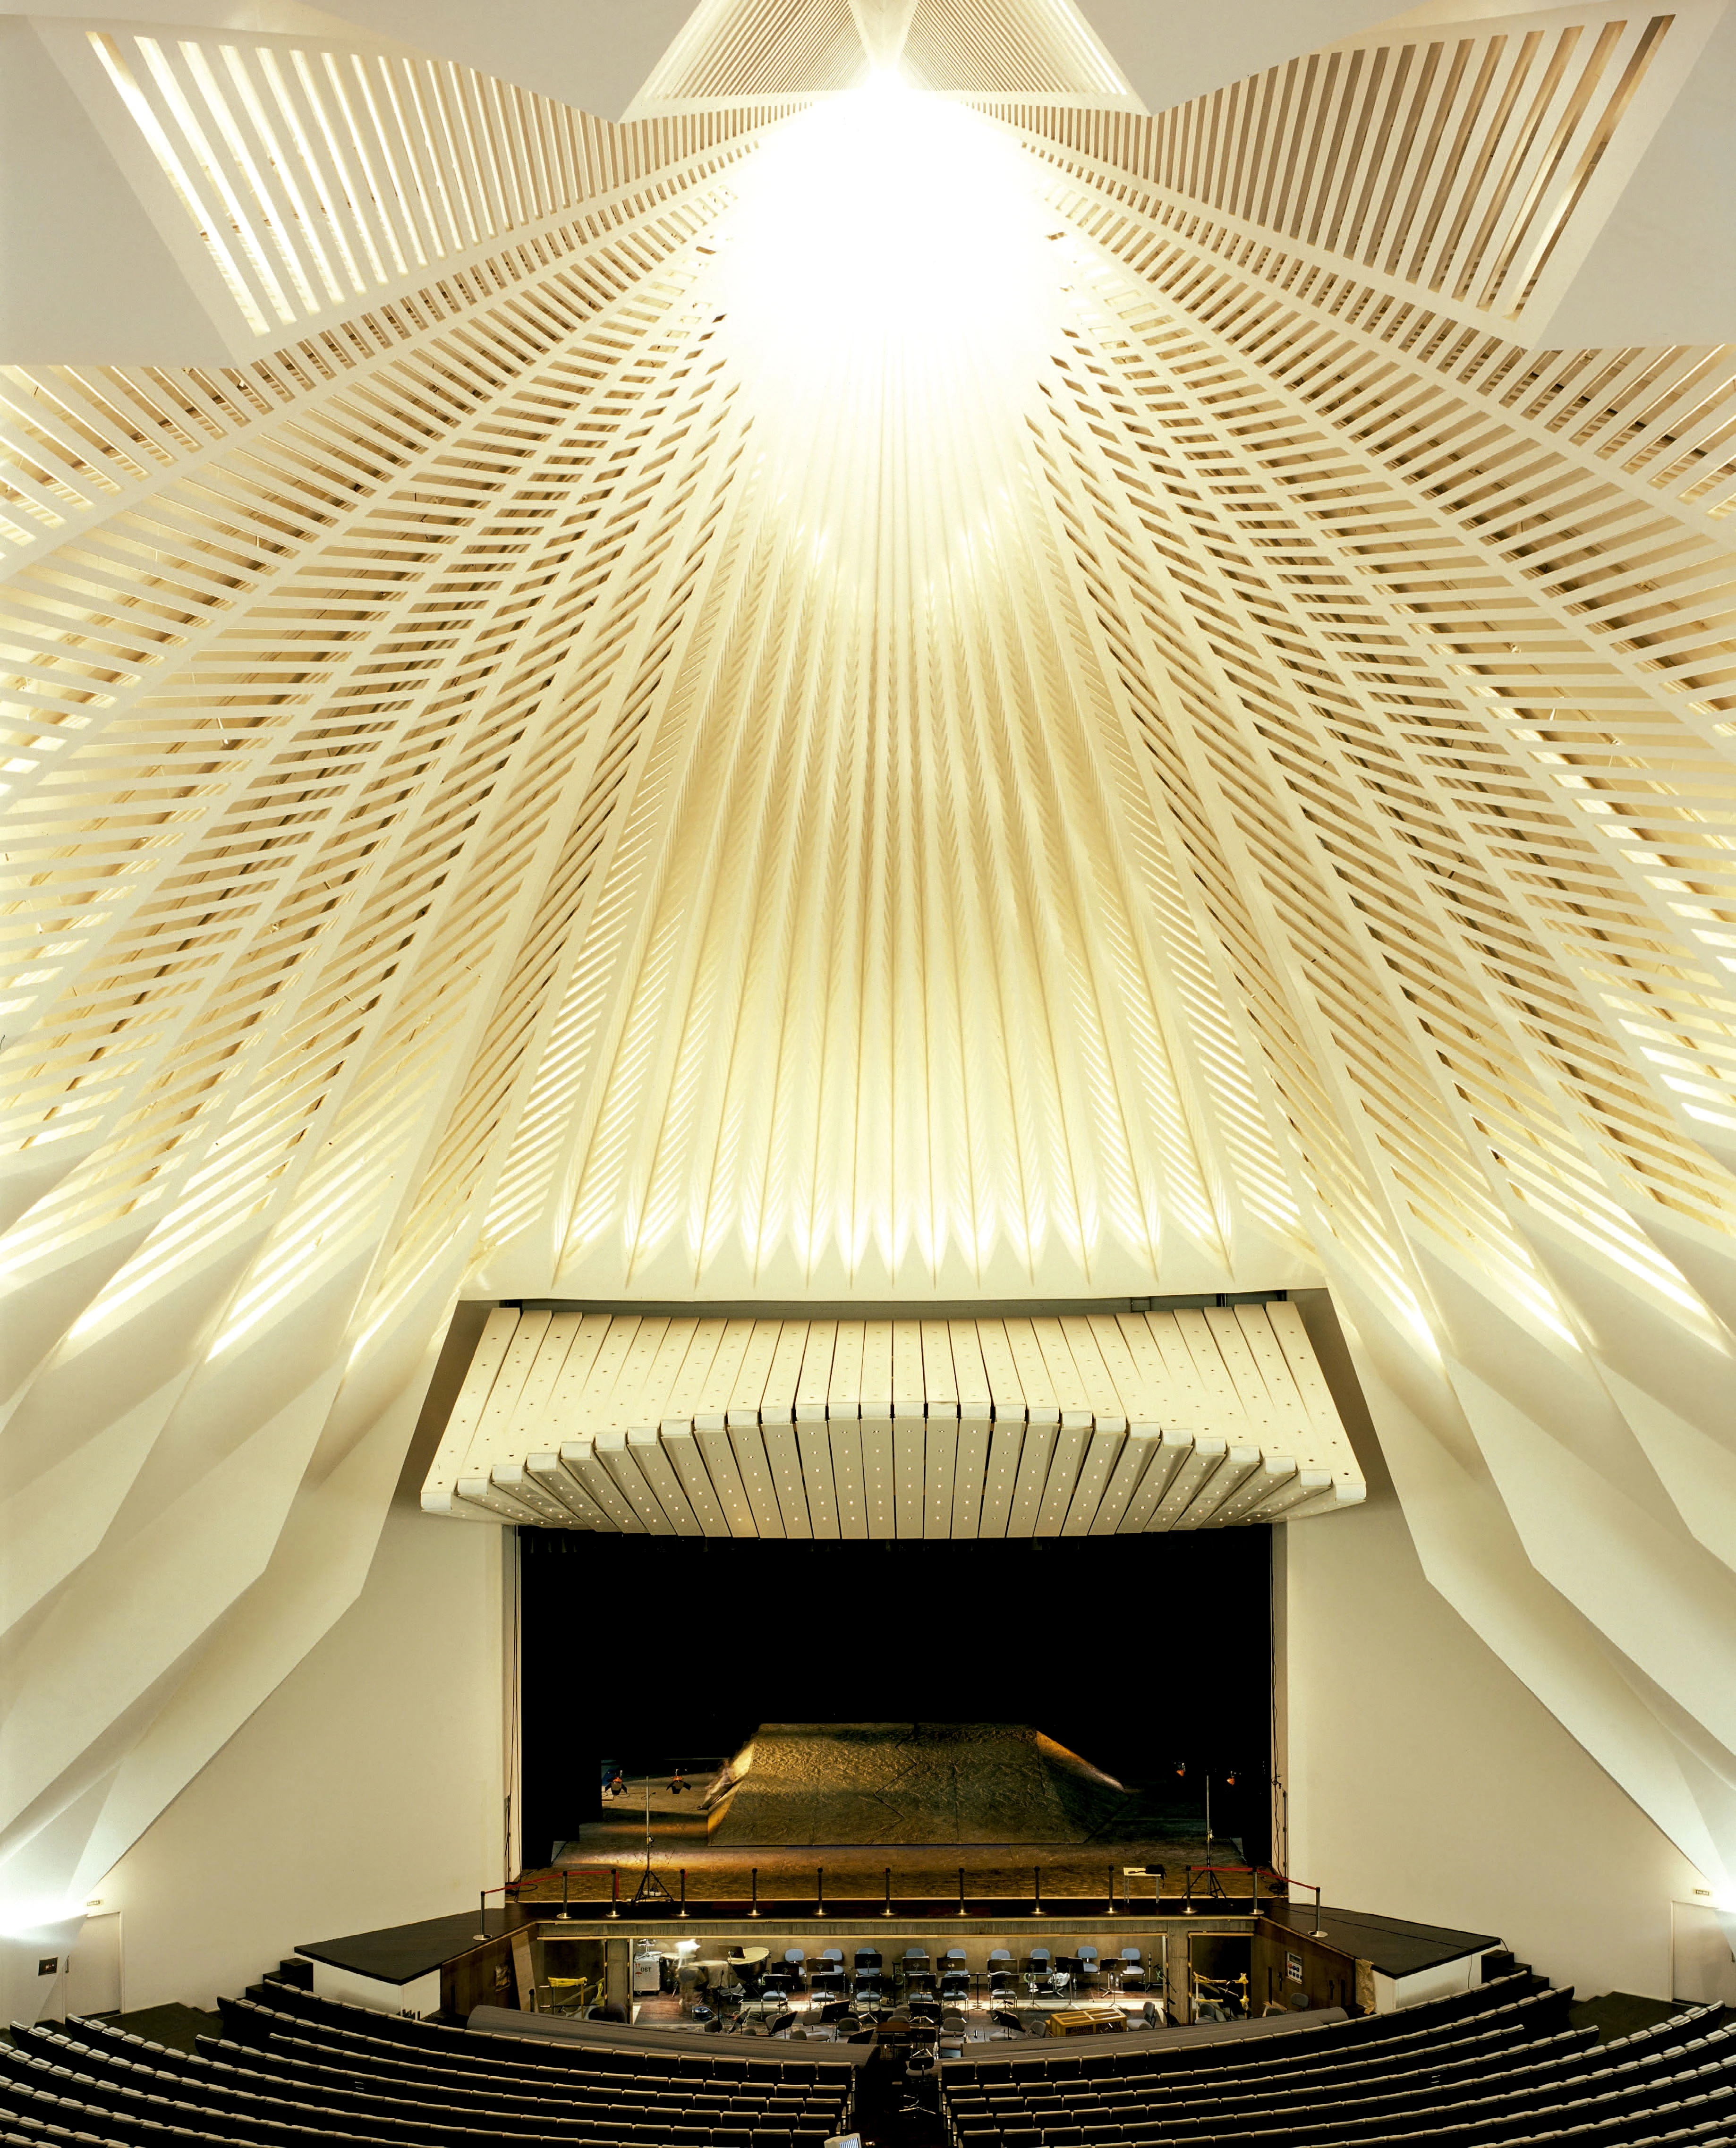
{"x":870,"y":1111}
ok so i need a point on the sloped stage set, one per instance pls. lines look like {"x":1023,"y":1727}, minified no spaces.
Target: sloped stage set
{"x":974,"y":1783}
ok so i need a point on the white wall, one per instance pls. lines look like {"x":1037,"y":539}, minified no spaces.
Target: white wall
{"x":367,"y":1791}
{"x":1426,"y":1781}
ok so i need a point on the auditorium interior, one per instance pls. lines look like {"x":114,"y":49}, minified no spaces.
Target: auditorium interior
{"x":938,"y":797}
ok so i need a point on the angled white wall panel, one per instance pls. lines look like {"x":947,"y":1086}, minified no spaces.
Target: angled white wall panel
{"x":86,"y":278}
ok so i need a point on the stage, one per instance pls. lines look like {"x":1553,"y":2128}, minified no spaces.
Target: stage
{"x":1295,"y":1958}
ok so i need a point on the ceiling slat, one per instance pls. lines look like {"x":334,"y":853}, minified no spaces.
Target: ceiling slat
{"x":691,"y":1425}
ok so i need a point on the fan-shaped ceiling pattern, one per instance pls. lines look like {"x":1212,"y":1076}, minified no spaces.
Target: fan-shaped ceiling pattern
{"x":534,"y":780}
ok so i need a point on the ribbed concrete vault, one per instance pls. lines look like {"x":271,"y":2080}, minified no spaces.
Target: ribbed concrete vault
{"x":504,"y":805}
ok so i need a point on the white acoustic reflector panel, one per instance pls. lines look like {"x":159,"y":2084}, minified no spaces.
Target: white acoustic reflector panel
{"x":1086,"y":1425}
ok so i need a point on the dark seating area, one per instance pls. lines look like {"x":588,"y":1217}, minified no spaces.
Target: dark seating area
{"x":1497,"y":2065}
{"x":291,"y":2068}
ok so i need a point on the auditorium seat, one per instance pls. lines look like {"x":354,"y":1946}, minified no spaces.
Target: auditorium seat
{"x":336,"y":2075}
{"x":1480,"y":2069}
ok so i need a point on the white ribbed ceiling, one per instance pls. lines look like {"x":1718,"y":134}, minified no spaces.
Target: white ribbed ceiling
{"x":1196,"y":758}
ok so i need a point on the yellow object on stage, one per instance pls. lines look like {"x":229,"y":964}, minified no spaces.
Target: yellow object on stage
{"x":1087,"y":2021}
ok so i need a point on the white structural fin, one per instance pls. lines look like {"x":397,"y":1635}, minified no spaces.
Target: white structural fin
{"x":1166,"y":742}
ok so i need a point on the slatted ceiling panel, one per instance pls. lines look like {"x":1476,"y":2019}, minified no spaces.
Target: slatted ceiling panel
{"x":1305,"y":1487}
{"x":1042,"y":1416}
{"x":1244,"y":1368}
{"x":813,"y":1438}
{"x":970,"y":1367}
{"x":1331,"y":1442}
{"x":710,"y":1430}
{"x":1340,"y":1494}
{"x":1479,"y":221}
{"x":876,"y":1394}
{"x":1066,"y":1382}
{"x":1007,"y":1437}
{"x":536,"y":1399}
{"x":482,"y":1497}
{"x":1138,"y":1451}
{"x":566,"y":1406}
{"x":1134,"y":1365}
{"x":759,"y":48}
{"x":645,"y":1448}
{"x":318,"y":178}
{"x":975,"y":1412}
{"x":1217,"y":1390}
{"x":516,"y":1480}
{"x":1292,"y":1429}
{"x":555,"y":1477}
{"x":909,"y":1430}
{"x":1033,"y":1383}
{"x":491,"y":1348}
{"x":689,"y":1388}
{"x":726,"y":1370}
{"x":1100,"y":1392}
{"x":681,"y":1445}
{"x":814,"y":1445}
{"x":591,"y":1409}
{"x":642,"y":1464}
{"x":610,"y":1452}
{"x":938,"y":1387}
{"x":910,"y":1385}
{"x":939,"y":1469}
{"x":1036,"y":1454}
{"x":749,"y":1387}
{"x":1174,"y":1452}
{"x":995,"y":47}
{"x":1240,"y":1460}
{"x":970,"y":1475}
{"x":880,"y":1487}
{"x":1104,"y":1440}
{"x":783,"y":1457}
{"x":581,"y":1457}
{"x":802,"y":1459}
{"x":1194,"y":1471}
{"x":1071,"y":1439}
{"x":749,"y":1449}
{"x":777,"y":1420}
{"x":814,"y":1385}
{"x":777,"y":47}
{"x":653,"y":1403}
{"x":1271,"y":1474}
{"x":621,"y":1407}
{"x":1179,"y":1371}
{"x":844,"y":1428}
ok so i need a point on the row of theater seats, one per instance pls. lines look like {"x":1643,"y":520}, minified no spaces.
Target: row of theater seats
{"x":1495,"y":2066}
{"x":302,"y":2070}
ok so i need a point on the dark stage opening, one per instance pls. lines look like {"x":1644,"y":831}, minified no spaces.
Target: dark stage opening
{"x":1150,"y":1657}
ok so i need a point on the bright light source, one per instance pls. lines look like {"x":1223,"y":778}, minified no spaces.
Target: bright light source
{"x":23,"y":1915}
{"x":889,"y":256}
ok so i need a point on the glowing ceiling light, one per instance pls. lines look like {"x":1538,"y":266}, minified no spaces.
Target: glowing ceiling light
{"x":887,"y":244}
